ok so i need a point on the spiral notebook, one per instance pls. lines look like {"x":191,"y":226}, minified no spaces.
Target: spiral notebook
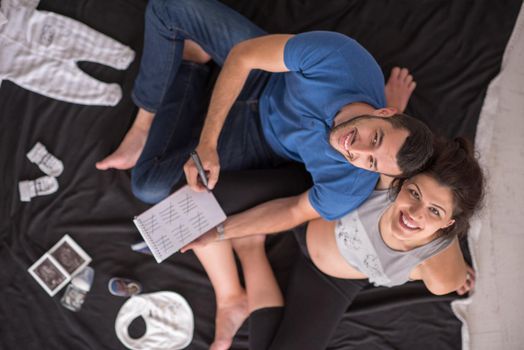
{"x":178,"y":220}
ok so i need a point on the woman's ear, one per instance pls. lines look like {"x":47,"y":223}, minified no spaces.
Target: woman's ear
{"x":451,"y":222}
{"x":385,"y":112}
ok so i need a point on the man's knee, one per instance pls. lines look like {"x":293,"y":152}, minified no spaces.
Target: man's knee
{"x":149,"y":190}
{"x":147,"y":194}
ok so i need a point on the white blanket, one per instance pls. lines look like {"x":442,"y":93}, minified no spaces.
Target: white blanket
{"x":493,"y":315}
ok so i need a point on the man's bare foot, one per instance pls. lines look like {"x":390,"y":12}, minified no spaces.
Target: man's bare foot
{"x":127,"y":154}
{"x":399,"y":88}
{"x":229,"y":318}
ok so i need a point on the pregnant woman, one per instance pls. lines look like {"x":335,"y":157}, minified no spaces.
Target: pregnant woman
{"x":386,"y":242}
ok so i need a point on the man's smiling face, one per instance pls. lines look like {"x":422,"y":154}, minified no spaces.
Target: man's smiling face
{"x":370,"y":143}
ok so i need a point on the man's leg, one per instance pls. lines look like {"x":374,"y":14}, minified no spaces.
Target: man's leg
{"x":129,"y":150}
{"x":173,"y":135}
{"x":195,"y":30}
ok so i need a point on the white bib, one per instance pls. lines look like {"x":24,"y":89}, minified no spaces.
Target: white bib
{"x":168,"y":318}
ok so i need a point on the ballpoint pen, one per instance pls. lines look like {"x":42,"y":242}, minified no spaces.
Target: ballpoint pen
{"x":200,"y":168}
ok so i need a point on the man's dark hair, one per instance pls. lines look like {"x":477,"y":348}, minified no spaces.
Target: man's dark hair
{"x":418,"y":147}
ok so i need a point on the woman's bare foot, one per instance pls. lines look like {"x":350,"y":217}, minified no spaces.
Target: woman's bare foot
{"x":127,"y":154}
{"x":229,"y":317}
{"x":399,"y":88}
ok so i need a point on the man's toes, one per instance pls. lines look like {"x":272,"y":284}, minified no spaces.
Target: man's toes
{"x":403,"y":73}
{"x":110,"y":161}
{"x":412,"y":86}
{"x":395,"y":72}
{"x":408,"y":79}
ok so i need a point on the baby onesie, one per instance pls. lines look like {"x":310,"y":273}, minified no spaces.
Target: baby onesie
{"x":39,"y":51}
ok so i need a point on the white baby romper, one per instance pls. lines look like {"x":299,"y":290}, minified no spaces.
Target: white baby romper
{"x":39,"y":51}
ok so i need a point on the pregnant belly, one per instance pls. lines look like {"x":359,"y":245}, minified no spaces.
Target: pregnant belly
{"x":322,"y":248}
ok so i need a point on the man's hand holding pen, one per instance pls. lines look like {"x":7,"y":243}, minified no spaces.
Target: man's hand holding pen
{"x":202,"y":165}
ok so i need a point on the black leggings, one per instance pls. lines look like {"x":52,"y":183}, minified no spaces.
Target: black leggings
{"x":263,"y":325}
{"x":314,"y":305}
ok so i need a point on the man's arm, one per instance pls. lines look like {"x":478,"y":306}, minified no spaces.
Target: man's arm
{"x":264,"y":53}
{"x":270,"y":217}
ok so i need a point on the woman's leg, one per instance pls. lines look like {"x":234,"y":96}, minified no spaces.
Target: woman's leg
{"x":232,"y":305}
{"x":235,"y":192}
{"x":264,"y":298}
{"x":261,"y":285}
{"x":315,"y":303}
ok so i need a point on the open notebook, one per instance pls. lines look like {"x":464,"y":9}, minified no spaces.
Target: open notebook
{"x":177,"y":220}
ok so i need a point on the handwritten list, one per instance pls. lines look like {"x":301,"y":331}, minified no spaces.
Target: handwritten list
{"x":177,"y":220}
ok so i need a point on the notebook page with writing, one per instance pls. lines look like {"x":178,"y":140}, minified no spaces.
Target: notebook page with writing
{"x":177,"y":220}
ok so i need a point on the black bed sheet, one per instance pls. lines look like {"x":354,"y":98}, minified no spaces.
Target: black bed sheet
{"x":453,"y":48}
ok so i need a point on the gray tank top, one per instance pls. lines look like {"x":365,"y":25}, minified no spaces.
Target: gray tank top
{"x":361,"y":244}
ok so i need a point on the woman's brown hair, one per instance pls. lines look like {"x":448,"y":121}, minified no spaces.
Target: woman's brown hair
{"x":455,"y":166}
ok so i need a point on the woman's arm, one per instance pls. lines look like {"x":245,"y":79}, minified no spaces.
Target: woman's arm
{"x":270,"y":217}
{"x":445,"y":272}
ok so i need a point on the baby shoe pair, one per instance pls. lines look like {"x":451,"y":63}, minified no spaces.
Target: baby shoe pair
{"x":44,"y":185}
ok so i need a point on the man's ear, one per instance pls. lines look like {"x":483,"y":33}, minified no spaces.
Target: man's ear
{"x":385,"y":112}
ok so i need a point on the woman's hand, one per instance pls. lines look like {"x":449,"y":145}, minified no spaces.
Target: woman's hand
{"x":469,"y":284}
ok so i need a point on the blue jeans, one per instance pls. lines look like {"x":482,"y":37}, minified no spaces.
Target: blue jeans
{"x":214,"y":26}
{"x":176,"y":92}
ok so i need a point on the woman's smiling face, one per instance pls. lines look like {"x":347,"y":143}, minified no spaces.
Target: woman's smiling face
{"x":421,"y":209}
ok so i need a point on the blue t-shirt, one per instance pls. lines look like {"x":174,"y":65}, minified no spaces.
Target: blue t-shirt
{"x":328,"y":70}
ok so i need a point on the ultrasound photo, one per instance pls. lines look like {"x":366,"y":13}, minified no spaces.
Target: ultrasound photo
{"x":68,"y":257}
{"x":56,"y":267}
{"x":49,"y":274}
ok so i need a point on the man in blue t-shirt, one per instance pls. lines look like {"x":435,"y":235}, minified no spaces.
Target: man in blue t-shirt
{"x":320,"y":98}
{"x":316,"y":98}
